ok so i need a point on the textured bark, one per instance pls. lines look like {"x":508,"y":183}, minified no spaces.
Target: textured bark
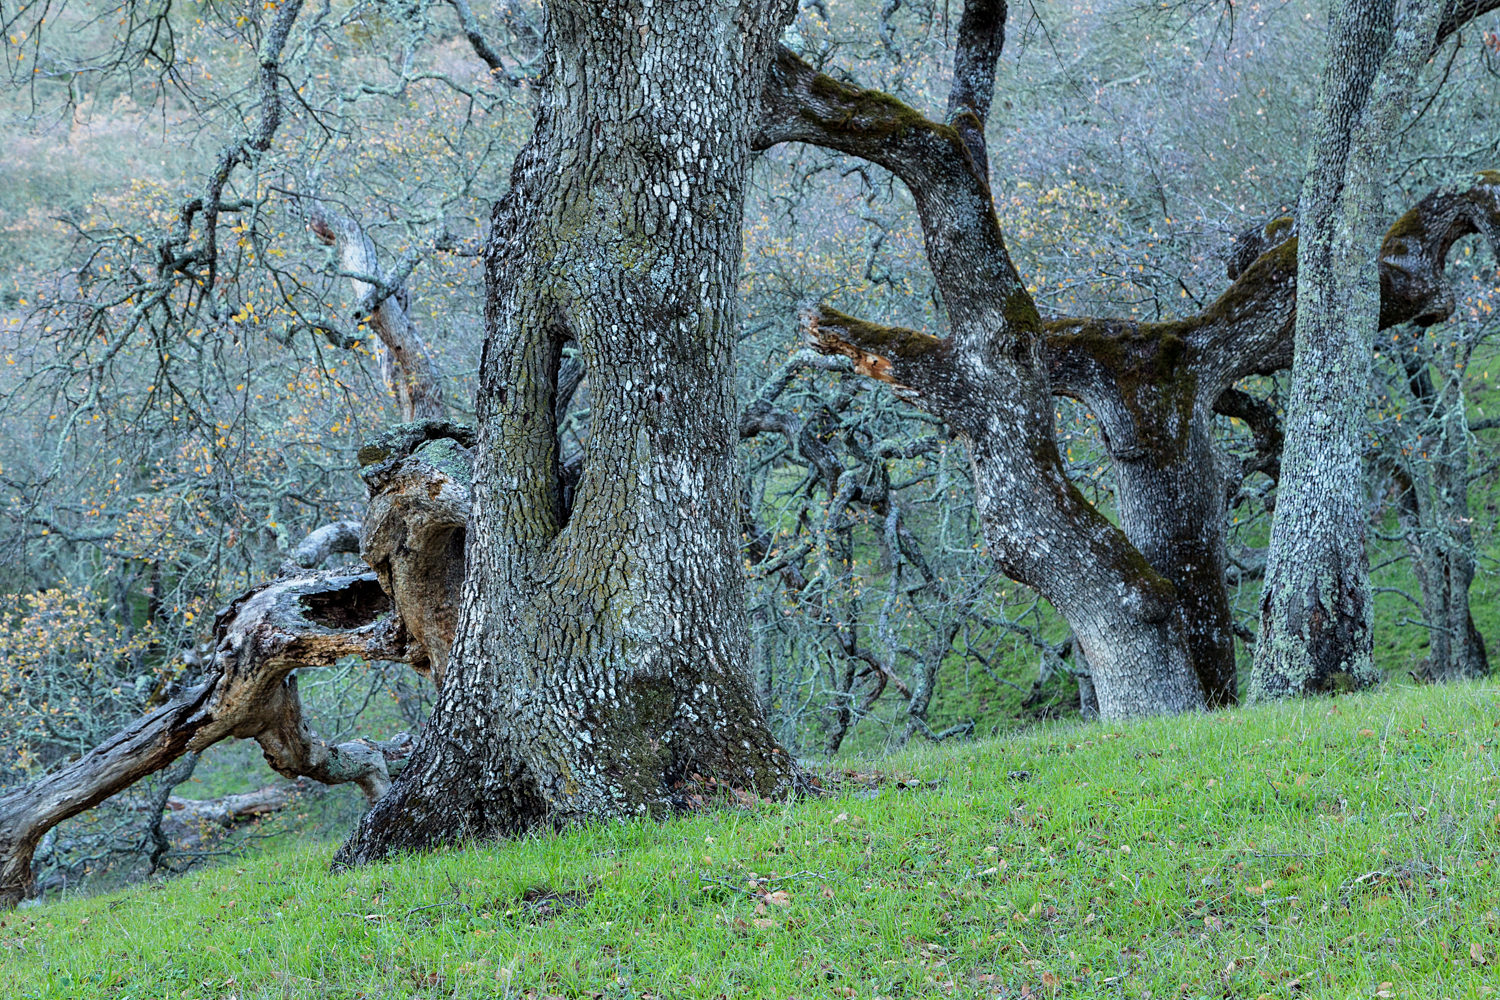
{"x":600,"y":660}
{"x":249,"y":693}
{"x":981,"y":36}
{"x":1154,"y":387}
{"x":1316,"y":613}
{"x":988,"y":380}
{"x":415,"y":529}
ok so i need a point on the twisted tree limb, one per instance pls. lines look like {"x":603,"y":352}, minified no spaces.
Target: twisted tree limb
{"x":249,"y":693}
{"x":987,"y":377}
{"x":413,"y":535}
{"x":1148,"y":609}
{"x":405,"y":360}
{"x":314,"y":550}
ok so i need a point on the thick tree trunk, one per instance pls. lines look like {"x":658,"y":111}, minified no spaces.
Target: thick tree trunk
{"x":988,"y":379}
{"x":1172,"y":509}
{"x":1124,"y":615}
{"x":1038,"y":527}
{"x":1316,"y":612}
{"x":600,"y":662}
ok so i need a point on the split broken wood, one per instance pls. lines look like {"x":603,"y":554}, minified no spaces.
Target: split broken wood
{"x":413,"y":538}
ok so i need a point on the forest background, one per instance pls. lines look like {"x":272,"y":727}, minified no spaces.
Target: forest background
{"x":148,"y":479}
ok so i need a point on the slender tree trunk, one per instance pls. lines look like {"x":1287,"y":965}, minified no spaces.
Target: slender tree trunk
{"x":601,"y":662}
{"x":1443,"y":563}
{"x":1316,"y":613}
{"x":1427,"y":456}
{"x":1461,"y":653}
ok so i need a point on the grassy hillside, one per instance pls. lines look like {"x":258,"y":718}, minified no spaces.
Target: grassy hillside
{"x":1326,"y":848}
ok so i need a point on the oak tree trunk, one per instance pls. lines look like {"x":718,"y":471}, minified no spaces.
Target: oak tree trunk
{"x":1316,"y":612}
{"x":599,"y":666}
{"x":1172,"y":508}
{"x":988,"y":377}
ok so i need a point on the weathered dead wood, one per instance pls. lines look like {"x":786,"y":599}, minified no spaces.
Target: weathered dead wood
{"x":293,"y":749}
{"x":194,"y":823}
{"x":405,"y":360}
{"x":413,"y":536}
{"x":249,"y":692}
{"x":415,"y":530}
{"x":190,"y":825}
{"x":228,"y":811}
{"x":314,"y":550}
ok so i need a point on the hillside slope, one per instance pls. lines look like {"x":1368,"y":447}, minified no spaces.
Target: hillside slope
{"x":1326,"y":848}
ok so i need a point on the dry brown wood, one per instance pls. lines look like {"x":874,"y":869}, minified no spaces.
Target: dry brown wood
{"x":249,"y":692}
{"x":413,"y":534}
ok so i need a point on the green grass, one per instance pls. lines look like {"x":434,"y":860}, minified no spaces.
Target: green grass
{"x":1326,"y":848}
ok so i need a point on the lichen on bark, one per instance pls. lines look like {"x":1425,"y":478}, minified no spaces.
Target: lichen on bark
{"x":598,"y":662}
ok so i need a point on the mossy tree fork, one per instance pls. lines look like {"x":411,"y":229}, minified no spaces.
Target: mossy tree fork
{"x":1147,"y":602}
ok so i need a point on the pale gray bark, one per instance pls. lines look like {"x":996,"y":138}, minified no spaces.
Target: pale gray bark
{"x":1316,"y":612}
{"x":406,"y":363}
{"x":600,"y":659}
{"x":249,"y":693}
{"x":314,"y":550}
